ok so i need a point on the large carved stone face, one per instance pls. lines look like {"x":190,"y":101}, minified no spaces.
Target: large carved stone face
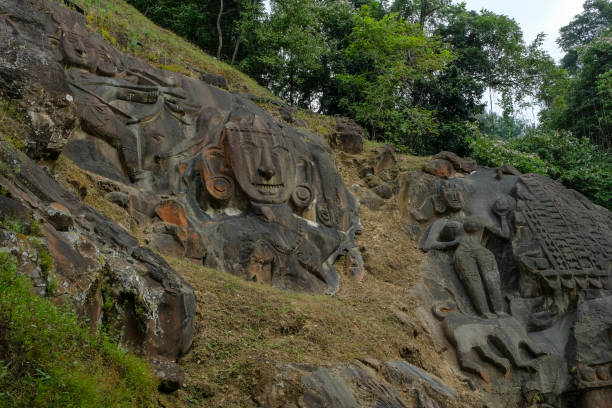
{"x":263,"y":163}
{"x":76,"y":47}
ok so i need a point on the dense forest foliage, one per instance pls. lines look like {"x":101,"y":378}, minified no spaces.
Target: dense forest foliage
{"x":426,"y":75}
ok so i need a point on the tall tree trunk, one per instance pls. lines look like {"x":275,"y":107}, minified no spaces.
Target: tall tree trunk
{"x":219,"y":30}
{"x":236,"y":49}
{"x":491,"y":110}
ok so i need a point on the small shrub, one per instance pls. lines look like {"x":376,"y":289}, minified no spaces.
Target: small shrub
{"x":35,"y":227}
{"x":45,"y":261}
{"x":575,"y":162}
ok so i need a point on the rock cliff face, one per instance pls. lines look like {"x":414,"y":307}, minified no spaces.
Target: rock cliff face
{"x":518,"y":277}
{"x":206,"y":174}
{"x":515,"y":289}
{"x":212,"y":176}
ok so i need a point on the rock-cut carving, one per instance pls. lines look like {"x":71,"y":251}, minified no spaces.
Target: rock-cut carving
{"x":474,"y":264}
{"x":526,"y":263}
{"x":475,"y":339}
{"x":210,"y":175}
{"x":449,"y":200}
{"x":274,"y":244}
{"x":113,"y":98}
{"x":263,"y":163}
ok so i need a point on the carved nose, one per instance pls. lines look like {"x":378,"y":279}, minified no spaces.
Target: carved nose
{"x":266,"y":172}
{"x":266,"y":167}
{"x":80,"y":49}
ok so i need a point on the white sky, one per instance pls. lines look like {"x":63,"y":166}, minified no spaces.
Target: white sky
{"x":535,"y":16}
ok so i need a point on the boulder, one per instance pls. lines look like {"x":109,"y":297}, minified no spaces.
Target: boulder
{"x":355,"y":384}
{"x":214,"y":80}
{"x":59,"y":216}
{"x":439,"y":168}
{"x":385,"y":159}
{"x":348,"y":136}
{"x":97,"y":262}
{"x":466,"y":165}
{"x":383,"y":191}
{"x":286,"y":113}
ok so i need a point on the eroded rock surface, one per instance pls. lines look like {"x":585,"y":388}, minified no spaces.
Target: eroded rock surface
{"x":208,"y":174}
{"x":516,"y":279}
{"x":97,"y":266}
{"x":361,"y":383}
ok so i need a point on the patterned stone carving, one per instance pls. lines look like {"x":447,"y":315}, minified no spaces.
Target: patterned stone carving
{"x":210,"y":176}
{"x":526,"y":265}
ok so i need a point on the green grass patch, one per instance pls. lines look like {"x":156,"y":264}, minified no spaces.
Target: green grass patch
{"x":50,"y":359}
{"x":131,"y":32}
{"x":12,"y":125}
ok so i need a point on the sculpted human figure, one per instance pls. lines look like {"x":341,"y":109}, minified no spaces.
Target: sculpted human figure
{"x":94,"y":94}
{"x":262,"y":162}
{"x":111,"y":97}
{"x":275,"y":246}
{"x":475,"y":265}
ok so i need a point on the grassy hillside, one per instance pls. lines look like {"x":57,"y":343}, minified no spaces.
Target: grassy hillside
{"x":50,"y":359}
{"x":131,"y":32}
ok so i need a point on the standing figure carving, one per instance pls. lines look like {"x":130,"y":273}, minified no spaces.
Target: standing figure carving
{"x":474,"y":264}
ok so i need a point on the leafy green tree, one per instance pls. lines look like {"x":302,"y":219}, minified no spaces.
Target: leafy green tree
{"x":427,"y":13}
{"x":584,"y":27}
{"x":579,"y":97}
{"x":197,"y":21}
{"x":490,"y":54}
{"x":503,"y":126}
{"x":392,"y":55}
{"x":590,"y":94}
{"x":575,"y":162}
{"x":291,"y":46}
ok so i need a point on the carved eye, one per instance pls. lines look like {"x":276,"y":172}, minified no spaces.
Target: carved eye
{"x":249,"y":146}
{"x":280,"y":149}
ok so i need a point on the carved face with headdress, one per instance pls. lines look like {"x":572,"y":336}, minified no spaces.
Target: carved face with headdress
{"x":77,"y":48}
{"x":263,"y":162}
{"x":452,"y":196}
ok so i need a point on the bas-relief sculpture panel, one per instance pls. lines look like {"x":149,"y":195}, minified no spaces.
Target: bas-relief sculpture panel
{"x":518,"y":275}
{"x":210,"y":176}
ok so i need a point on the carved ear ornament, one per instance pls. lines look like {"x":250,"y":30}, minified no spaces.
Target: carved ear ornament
{"x":325,"y":215}
{"x":215,"y":173}
{"x":220,"y":187}
{"x":302,"y":196}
